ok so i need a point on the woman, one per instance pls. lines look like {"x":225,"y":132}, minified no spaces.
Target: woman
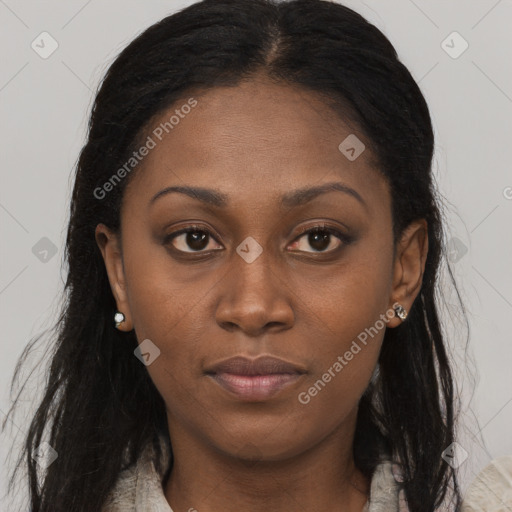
{"x":254,"y":242}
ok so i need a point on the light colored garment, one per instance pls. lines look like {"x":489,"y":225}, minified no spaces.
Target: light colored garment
{"x":139,"y":489}
{"x":491,"y":490}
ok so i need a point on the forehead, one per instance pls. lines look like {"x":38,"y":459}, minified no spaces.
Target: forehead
{"x":257,"y":139}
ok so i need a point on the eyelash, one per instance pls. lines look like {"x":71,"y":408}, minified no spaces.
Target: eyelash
{"x":319,"y":228}
{"x":323,"y":228}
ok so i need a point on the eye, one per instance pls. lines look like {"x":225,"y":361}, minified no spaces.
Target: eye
{"x":191,"y":239}
{"x":320,"y":238}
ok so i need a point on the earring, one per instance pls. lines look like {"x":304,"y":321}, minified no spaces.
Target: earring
{"x":400,"y":312}
{"x":119,"y":318}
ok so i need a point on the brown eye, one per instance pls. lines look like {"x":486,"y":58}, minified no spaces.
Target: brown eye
{"x":320,"y":239}
{"x":190,"y":239}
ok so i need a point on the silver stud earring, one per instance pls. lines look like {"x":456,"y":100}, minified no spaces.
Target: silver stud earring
{"x":400,"y":312}
{"x":119,"y":318}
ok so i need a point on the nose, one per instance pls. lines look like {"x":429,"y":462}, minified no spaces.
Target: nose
{"x":254,"y":298}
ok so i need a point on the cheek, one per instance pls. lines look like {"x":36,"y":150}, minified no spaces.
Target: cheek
{"x":162,"y":293}
{"x":167,"y":302}
{"x":348,"y":327}
{"x":342,"y":364}
{"x":330,"y":397}
{"x":349,"y":297}
{"x":170,"y":312}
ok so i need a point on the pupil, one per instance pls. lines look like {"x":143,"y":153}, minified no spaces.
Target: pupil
{"x":196,"y":239}
{"x":319,"y":241}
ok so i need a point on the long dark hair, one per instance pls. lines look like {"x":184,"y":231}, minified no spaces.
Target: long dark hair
{"x":100,"y":408}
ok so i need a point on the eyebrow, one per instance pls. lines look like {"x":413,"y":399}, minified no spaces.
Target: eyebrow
{"x":290,"y":199}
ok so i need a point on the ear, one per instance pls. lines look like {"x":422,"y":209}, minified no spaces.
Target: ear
{"x":409,"y":266}
{"x":109,"y":245}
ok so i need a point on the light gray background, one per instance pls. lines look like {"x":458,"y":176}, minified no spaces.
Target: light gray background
{"x":45,"y":104}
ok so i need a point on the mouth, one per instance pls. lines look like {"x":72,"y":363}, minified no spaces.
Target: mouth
{"x":255,"y":379}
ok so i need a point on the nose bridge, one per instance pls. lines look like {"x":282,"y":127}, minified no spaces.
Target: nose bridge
{"x":253,"y":268}
{"x":253,"y":277}
{"x":253,"y":296}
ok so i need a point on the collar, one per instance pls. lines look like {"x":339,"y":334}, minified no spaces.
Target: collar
{"x":139,"y":488}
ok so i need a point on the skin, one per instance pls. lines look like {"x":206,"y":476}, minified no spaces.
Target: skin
{"x":254,"y":143}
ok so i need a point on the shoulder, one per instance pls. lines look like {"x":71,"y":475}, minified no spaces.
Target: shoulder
{"x":122,"y":497}
{"x":491,"y":489}
{"x":386,"y":493}
{"x":139,"y":487}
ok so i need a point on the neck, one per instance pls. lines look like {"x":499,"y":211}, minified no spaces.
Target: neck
{"x":314,"y":479}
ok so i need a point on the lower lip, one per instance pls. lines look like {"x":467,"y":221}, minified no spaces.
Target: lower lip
{"x":255,"y":387}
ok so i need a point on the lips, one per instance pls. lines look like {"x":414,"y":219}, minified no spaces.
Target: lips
{"x":254,"y":379}
{"x":263,"y":365}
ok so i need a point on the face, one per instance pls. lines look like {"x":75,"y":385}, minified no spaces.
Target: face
{"x":252,"y":278}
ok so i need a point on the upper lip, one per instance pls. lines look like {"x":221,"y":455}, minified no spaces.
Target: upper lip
{"x":263,"y":365}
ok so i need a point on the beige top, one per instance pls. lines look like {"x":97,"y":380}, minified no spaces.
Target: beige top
{"x":491,"y":490}
{"x":139,"y":489}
